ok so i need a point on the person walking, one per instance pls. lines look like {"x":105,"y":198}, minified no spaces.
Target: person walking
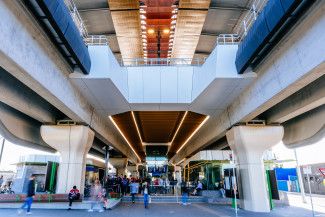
{"x":1,"y":180}
{"x":29,"y":197}
{"x":134,"y":188}
{"x":146,"y":193}
{"x":74,"y":194}
{"x":184,"y":191}
{"x":96,"y":196}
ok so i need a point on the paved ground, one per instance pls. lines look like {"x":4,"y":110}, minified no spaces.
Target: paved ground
{"x":166,"y":210}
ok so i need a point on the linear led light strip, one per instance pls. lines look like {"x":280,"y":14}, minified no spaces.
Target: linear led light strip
{"x":136,"y":125}
{"x":110,"y":117}
{"x":193,"y":134}
{"x":179,"y":126}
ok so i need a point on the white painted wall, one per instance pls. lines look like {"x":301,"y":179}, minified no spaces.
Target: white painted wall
{"x":160,"y":84}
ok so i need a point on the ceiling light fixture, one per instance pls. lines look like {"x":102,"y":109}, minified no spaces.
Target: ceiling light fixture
{"x":179,"y":126}
{"x":166,"y":31}
{"x":136,"y":125}
{"x":151,"y":31}
{"x":207,"y":117}
{"x":120,"y":131}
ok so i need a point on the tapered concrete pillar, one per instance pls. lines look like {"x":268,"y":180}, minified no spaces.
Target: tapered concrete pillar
{"x":119,"y":164}
{"x":249,"y":144}
{"x":73,"y":144}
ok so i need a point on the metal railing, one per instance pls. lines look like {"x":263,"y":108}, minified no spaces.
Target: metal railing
{"x":96,"y":40}
{"x":227,"y":39}
{"x":250,"y":17}
{"x":162,"y":61}
{"x":76,"y":18}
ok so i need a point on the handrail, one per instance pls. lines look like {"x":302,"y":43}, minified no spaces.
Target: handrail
{"x":76,"y":17}
{"x":250,"y":17}
{"x":130,"y":62}
{"x":223,"y":39}
{"x":96,"y":40}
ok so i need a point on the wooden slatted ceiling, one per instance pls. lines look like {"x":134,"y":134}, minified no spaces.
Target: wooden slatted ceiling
{"x":127,"y":126}
{"x":158,"y":127}
{"x":190,"y":20}
{"x":126,"y":19}
{"x":190,"y":124}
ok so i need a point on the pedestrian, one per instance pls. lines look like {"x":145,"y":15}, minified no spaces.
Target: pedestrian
{"x":146,"y":193}
{"x":184,"y":191}
{"x":96,"y":196}
{"x":29,"y":197}
{"x":198,"y":189}
{"x":1,"y":180}
{"x":125,"y":184}
{"x":74,"y":194}
{"x":134,"y":188}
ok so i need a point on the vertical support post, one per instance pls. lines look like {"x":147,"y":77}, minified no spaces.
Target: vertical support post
{"x":106,"y":160}
{"x":311,"y":198}
{"x":2,"y":147}
{"x":188,"y":171}
{"x":254,"y":12}
{"x":245,"y":27}
{"x":301,"y":185}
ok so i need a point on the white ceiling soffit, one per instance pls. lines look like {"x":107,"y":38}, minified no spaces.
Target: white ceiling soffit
{"x":190,"y":19}
{"x":126,"y":19}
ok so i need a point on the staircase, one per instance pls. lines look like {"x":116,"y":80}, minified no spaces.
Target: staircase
{"x":165,"y":199}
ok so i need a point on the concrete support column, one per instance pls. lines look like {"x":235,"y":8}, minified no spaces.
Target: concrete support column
{"x":249,"y":144}
{"x":73,"y":143}
{"x":119,"y":164}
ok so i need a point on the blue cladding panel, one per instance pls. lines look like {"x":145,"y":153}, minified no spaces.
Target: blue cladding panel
{"x":60,"y":17}
{"x":286,"y":4}
{"x":254,"y":38}
{"x":273,"y":7}
{"x":64,"y":22}
{"x":51,"y":5}
{"x":269,"y":18}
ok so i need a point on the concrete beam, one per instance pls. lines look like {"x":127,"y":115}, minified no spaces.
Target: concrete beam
{"x":306,"y":99}
{"x":27,"y":53}
{"x":297,"y":61}
{"x":22,"y":98}
{"x":20,"y":129}
{"x":306,"y":129}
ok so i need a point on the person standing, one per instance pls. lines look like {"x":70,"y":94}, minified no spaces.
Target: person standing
{"x":125,"y":184}
{"x":30,"y":196}
{"x":74,"y":194}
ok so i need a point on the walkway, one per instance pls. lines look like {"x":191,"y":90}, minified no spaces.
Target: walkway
{"x":170,"y":210}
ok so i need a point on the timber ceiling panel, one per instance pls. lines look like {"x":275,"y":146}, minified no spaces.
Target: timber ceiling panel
{"x":123,"y":4}
{"x":189,"y":125}
{"x":126,"y":124}
{"x":189,"y":25}
{"x":158,"y":127}
{"x":126,"y":19}
{"x":194,"y":4}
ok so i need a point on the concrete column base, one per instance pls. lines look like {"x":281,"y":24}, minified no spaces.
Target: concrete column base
{"x":249,"y":144}
{"x":73,"y":143}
